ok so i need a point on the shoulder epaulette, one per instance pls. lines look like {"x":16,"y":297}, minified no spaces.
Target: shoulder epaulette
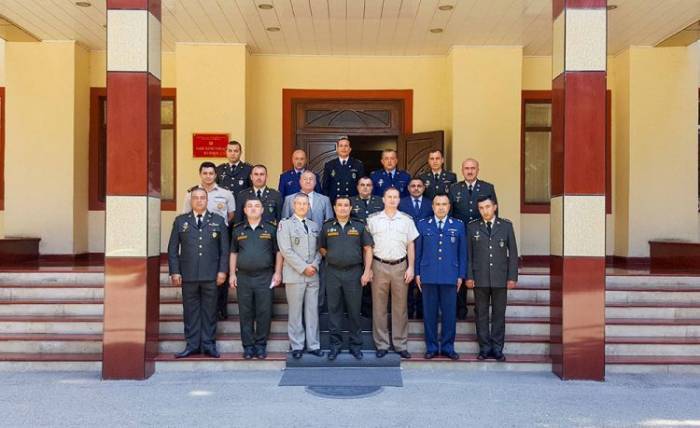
{"x":505,"y":220}
{"x":330,"y":220}
{"x":272,"y":222}
{"x":457,"y":220}
{"x":476,"y":220}
{"x":240,"y":223}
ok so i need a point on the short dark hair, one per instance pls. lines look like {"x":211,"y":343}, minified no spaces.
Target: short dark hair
{"x":341,"y":138}
{"x":199,"y":189}
{"x":389,"y":151}
{"x":207,"y":164}
{"x":416,"y":179}
{"x":442,"y":196}
{"x":235,"y":143}
{"x":258,"y":166}
{"x":438,"y":151}
{"x":254,"y":199}
{"x":364,"y":177}
{"x":485,"y":198}
{"x":341,"y":197}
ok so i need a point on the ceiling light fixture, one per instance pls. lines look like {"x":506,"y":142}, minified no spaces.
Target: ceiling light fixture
{"x":446,"y":7}
{"x":436,"y":30}
{"x":611,"y":7}
{"x":265,"y":6}
{"x":273,"y":29}
{"x":83,"y":4}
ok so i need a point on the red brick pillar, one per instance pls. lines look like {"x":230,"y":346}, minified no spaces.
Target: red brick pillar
{"x":577,"y":219}
{"x":132,"y":230}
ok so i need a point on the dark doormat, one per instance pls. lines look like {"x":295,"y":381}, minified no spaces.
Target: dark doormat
{"x":342,"y":376}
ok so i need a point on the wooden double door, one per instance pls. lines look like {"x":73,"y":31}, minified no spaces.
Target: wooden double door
{"x":371,"y":125}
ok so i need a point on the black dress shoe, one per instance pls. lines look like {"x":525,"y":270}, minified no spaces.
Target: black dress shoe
{"x":261,"y":353}
{"x":212,"y":352}
{"x":356,"y":353}
{"x":452,"y":355}
{"x":297,"y":353}
{"x":429,"y":355}
{"x":405,"y":354}
{"x":317,"y":352}
{"x":248,"y":353}
{"x":381,"y":353}
{"x":498,"y":355}
{"x":187,"y":352}
{"x":333,"y":354}
{"x":482,"y":356}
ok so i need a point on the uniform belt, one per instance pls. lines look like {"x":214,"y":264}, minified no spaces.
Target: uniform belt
{"x":389,"y":262}
{"x":350,"y":267}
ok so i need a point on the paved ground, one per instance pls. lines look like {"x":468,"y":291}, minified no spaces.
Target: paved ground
{"x":428,"y":399}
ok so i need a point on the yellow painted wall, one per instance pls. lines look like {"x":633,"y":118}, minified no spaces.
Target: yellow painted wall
{"x":2,"y":84}
{"x":45,"y":138}
{"x":657,"y":137}
{"x":486,"y":94}
{"x":269,"y":74}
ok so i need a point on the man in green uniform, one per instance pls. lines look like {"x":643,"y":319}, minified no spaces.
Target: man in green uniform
{"x":255,"y":269}
{"x":346,"y":245}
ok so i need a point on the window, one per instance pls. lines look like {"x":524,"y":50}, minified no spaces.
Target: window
{"x":98,"y":148}
{"x":536,"y":138}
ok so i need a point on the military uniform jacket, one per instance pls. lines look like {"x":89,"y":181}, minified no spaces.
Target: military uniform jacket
{"x":464,"y":205}
{"x":299,"y":249}
{"x":256,"y":248}
{"x":341,"y":180}
{"x":198,"y":254}
{"x":493,"y":259}
{"x":441,"y":257}
{"x":362,"y":208}
{"x":271,"y":201}
{"x":439,"y":186}
{"x":289,"y":183}
{"x":234,"y":178}
{"x":344,"y":245}
{"x":382,"y":180}
{"x":407,"y":205}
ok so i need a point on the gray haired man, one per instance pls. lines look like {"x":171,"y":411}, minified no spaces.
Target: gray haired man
{"x":297,"y":240}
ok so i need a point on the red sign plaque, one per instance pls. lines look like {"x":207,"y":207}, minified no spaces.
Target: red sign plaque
{"x":209,"y":145}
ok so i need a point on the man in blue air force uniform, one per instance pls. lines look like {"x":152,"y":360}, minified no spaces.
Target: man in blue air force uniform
{"x":441,"y":265}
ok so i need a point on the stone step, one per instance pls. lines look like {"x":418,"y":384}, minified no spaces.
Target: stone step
{"x":279,"y":343}
{"x":649,"y":346}
{"x":50,"y":325}
{"x":653,"y":310}
{"x":657,"y":364}
{"x":50,"y":362}
{"x":51,"y":308}
{"x":51,"y":343}
{"x":639,"y":327}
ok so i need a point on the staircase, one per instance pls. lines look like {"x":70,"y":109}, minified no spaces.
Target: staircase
{"x":52,"y":320}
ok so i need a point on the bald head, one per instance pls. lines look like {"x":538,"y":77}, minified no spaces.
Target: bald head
{"x":470,"y":169}
{"x":299,"y":159}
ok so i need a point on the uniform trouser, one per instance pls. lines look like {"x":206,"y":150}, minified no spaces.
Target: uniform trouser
{"x":344,"y":290}
{"x":462,"y":303}
{"x":199,"y":313}
{"x":255,"y":307}
{"x":302,"y":300}
{"x":490,"y":335}
{"x":388,"y":279}
{"x":366,"y":306}
{"x":415,"y":301}
{"x":222,"y":298}
{"x":439,"y":299}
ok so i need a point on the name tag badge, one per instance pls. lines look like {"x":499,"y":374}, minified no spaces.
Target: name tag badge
{"x":265,"y":235}
{"x":331,"y":234}
{"x":353,"y":232}
{"x":241,"y":237}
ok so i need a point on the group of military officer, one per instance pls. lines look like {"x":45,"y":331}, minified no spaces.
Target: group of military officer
{"x":364,"y":242}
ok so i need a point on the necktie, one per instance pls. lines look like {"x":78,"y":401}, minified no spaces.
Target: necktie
{"x":306,"y":228}
{"x":488,"y":227}
{"x":342,"y":163}
{"x":199,"y":221}
{"x":416,"y":204}
{"x":259,"y":194}
{"x":470,"y":187}
{"x":440,"y":226}
{"x":437,"y":178}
